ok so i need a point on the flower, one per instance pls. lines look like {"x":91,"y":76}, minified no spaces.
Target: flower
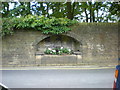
{"x":49,"y":49}
{"x":54,"y":50}
{"x":69,"y":50}
{"x":57,"y":51}
{"x":61,"y":48}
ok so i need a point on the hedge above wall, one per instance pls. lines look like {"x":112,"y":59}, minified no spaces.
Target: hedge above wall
{"x":45,"y":25}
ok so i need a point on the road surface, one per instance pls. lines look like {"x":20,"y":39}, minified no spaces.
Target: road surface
{"x":61,"y":78}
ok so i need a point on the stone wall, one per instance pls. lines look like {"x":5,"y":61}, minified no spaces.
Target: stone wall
{"x":58,"y":59}
{"x":99,"y":45}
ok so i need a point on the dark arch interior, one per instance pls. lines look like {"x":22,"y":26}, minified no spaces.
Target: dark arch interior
{"x":59,"y":41}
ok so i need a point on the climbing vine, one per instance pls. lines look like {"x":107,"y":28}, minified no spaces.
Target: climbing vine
{"x":45,"y":25}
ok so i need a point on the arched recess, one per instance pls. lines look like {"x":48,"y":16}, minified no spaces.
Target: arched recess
{"x":71,"y":35}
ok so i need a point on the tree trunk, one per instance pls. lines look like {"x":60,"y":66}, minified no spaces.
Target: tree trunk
{"x":42,"y":8}
{"x":28,"y":8}
{"x":47,"y":10}
{"x":23,"y":9}
{"x":86,"y":15}
{"x":73,"y":9}
{"x":97,"y":16}
{"x":93,"y":16}
{"x":5,"y":9}
{"x":69,"y":11}
{"x":90,"y":11}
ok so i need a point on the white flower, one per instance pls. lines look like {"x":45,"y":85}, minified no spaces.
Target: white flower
{"x":54,"y":50}
{"x":61,"y":48}
{"x":49,"y":49}
{"x":69,"y":50}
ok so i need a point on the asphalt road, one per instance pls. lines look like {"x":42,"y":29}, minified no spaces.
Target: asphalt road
{"x":62,"y":78}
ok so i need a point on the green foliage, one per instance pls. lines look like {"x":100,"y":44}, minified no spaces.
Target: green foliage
{"x":7,"y":27}
{"x":65,"y":50}
{"x":45,"y":25}
{"x":81,"y":11}
{"x":47,"y":51}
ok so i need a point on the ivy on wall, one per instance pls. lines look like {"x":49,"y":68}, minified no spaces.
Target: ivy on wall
{"x":45,"y":25}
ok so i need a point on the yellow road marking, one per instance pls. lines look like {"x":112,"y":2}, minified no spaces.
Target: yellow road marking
{"x":55,"y":68}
